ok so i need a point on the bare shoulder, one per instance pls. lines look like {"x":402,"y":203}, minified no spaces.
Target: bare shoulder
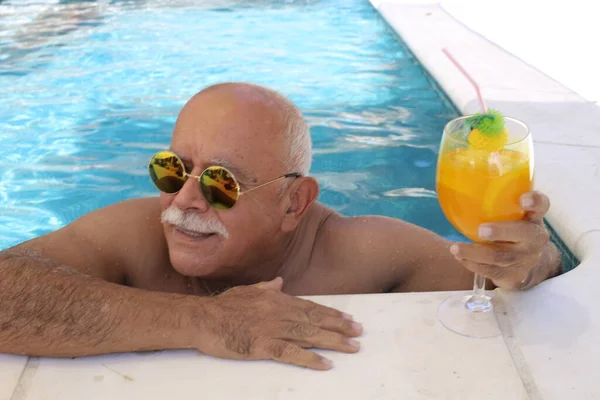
{"x":395,"y":254}
{"x":105,"y":243}
{"x":380,"y":239}
{"x":378,"y":235}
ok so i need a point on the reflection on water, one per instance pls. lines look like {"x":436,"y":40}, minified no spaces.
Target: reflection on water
{"x":28,"y":28}
{"x":91,"y":90}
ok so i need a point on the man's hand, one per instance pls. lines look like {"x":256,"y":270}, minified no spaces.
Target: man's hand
{"x":518,"y":254}
{"x":261,"y":322}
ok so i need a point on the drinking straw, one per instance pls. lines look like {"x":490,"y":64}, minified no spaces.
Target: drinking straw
{"x":466,"y":74}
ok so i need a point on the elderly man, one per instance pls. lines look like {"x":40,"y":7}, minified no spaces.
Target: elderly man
{"x":216,"y":261}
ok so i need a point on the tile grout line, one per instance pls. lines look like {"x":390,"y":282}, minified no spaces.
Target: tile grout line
{"x":26,"y":379}
{"x":20,"y":378}
{"x":514,"y":349}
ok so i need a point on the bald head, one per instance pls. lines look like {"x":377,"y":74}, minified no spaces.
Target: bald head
{"x":259,"y":136}
{"x":275,"y":119}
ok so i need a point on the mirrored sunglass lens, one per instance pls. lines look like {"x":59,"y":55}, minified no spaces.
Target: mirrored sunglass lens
{"x":219,"y":188}
{"x":167,"y":172}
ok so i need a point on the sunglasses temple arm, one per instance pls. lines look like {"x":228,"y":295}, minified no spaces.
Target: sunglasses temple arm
{"x":264,"y":184}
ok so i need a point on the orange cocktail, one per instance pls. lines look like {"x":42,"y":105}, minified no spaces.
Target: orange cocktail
{"x":482,"y":181}
{"x":485,"y":165}
{"x":475,"y":187}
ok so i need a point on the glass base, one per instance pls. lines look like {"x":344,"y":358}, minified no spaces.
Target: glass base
{"x":467,"y":318}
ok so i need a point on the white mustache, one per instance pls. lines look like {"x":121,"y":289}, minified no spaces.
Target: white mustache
{"x":191,"y":221}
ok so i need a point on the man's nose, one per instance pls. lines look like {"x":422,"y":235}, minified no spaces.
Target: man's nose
{"x":190,"y":196}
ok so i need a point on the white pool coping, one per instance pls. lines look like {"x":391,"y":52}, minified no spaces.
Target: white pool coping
{"x":551,"y":342}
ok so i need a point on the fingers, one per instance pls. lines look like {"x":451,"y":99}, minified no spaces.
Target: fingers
{"x":344,"y":326}
{"x":523,"y":232}
{"x":314,"y":309}
{"x":282,"y":351}
{"x":275,"y":284}
{"x":503,"y":256}
{"x":507,"y":265}
{"x":304,"y":345}
{"x":336,"y":321}
{"x":504,"y":277}
{"x":536,"y":205}
{"x":282,"y":327}
{"x":316,"y":337}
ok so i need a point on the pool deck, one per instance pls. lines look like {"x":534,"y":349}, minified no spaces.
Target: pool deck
{"x":551,"y":334}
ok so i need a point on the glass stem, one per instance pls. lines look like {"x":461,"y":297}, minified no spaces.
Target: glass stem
{"x":479,"y":301}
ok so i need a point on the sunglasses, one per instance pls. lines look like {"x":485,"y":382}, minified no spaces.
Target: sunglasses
{"x":218,"y":185}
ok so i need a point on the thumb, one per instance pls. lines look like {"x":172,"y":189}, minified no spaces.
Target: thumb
{"x":275,"y":284}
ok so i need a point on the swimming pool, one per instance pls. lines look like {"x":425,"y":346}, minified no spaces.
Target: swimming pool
{"x":92,"y":89}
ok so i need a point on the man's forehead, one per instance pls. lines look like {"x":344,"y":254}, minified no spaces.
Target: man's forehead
{"x":235,"y":112}
{"x":241,"y":152}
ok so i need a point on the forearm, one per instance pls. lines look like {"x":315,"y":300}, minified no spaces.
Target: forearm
{"x":53,"y":311}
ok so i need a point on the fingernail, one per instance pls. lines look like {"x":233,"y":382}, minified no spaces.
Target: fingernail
{"x":527,"y":202}
{"x":354,"y":343}
{"x":327,"y":362}
{"x":356,"y":326}
{"x":484,"y":232}
{"x":454,"y":249}
{"x":347,"y":317}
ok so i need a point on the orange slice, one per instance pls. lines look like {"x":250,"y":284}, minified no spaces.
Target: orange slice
{"x":501,"y":199}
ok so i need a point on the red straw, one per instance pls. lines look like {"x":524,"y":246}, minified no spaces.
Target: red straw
{"x":481,"y":103}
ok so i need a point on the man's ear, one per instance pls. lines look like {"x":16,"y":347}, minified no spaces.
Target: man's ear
{"x":303,"y":194}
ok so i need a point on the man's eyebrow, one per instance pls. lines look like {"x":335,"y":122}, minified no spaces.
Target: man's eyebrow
{"x":240,"y":173}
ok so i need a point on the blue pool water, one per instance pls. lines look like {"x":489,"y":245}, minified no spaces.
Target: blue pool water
{"x":91,"y":89}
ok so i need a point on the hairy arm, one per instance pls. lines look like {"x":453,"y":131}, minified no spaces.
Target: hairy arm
{"x":52,"y":310}
{"x":49,"y":310}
